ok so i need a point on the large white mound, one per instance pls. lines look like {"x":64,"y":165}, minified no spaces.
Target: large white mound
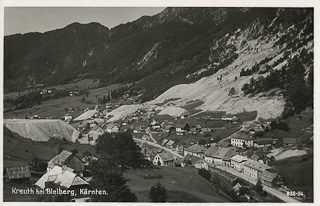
{"x":86,"y":115}
{"x":41,"y":129}
{"x":122,"y":112}
{"x":173,"y":111}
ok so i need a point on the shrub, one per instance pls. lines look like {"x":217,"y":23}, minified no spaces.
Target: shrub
{"x":205,"y":174}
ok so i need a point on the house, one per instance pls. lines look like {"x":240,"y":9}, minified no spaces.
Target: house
{"x":256,"y":157}
{"x":145,"y":137}
{"x":169,"y":129}
{"x":112,"y":128}
{"x":156,"y":126}
{"x":137,"y":129}
{"x":66,"y":158}
{"x":289,"y":141}
{"x":242,"y":140}
{"x":194,"y":161}
{"x":253,"y":168}
{"x":171,"y":144}
{"x":238,"y":161}
{"x":65,"y":177}
{"x":209,"y":153}
{"x":261,"y":142}
{"x":195,"y":150}
{"x":164,"y":142}
{"x":16,"y":171}
{"x":182,"y":127}
{"x":204,"y":130}
{"x":97,"y":129}
{"x":164,"y":159}
{"x":67,"y":117}
{"x":236,"y":189}
{"x":268,"y":177}
{"x":223,"y":156}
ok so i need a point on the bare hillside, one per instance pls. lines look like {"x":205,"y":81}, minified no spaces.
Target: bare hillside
{"x":40,"y":130}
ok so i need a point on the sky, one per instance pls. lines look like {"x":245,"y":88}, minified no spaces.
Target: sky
{"x":42,"y":19}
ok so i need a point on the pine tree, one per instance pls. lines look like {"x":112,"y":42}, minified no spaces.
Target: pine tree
{"x":158,"y":193}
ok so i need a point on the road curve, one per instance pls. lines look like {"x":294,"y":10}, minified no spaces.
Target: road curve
{"x":159,"y":146}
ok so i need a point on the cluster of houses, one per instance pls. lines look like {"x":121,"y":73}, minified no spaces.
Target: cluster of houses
{"x":255,"y":166}
{"x":65,"y":169}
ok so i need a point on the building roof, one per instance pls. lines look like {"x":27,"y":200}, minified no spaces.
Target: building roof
{"x":225,"y":153}
{"x":193,"y":159}
{"x":211,"y":151}
{"x":18,"y":172}
{"x":262,"y":141}
{"x":166,"y":156}
{"x":243,"y":137}
{"x":61,"y":176}
{"x":171,"y":142}
{"x":196,"y":149}
{"x":60,"y":159}
{"x":13,"y":163}
{"x":239,"y":158}
{"x":255,"y":157}
{"x":164,"y":141}
{"x":237,"y":187}
{"x":268,"y":176}
{"x":110,"y":126}
{"x":256,"y":165}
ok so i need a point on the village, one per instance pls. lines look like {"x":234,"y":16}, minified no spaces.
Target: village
{"x":171,"y":136}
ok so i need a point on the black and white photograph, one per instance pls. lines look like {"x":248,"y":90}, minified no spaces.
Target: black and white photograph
{"x":159,"y":103}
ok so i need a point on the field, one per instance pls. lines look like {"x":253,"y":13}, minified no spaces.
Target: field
{"x":56,"y":107}
{"x":183,"y":184}
{"x":300,"y":127}
{"x":79,"y":85}
{"x":298,"y":172}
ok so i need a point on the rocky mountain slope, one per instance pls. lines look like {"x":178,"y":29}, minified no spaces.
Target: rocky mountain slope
{"x":205,"y":51}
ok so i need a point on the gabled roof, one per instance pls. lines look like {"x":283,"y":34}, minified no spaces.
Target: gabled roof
{"x":18,"y":172}
{"x":181,"y":124}
{"x":193,"y":159}
{"x":255,"y":157}
{"x":237,"y":187}
{"x":196,"y":149}
{"x":166,"y":156}
{"x":262,"y":141}
{"x":164,"y":141}
{"x":60,"y":159}
{"x":256,"y":165}
{"x":268,"y":176}
{"x":110,"y":126}
{"x":211,"y":151}
{"x":239,"y":158}
{"x":224,"y":153}
{"x":171,"y":142}
{"x":60,"y":176}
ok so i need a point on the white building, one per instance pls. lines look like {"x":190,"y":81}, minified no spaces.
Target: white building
{"x":237,"y":162}
{"x":253,"y":168}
